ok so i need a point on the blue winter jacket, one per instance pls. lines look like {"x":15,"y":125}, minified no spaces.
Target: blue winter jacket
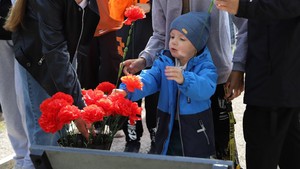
{"x":200,"y":78}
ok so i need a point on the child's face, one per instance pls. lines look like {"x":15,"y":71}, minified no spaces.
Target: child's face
{"x":181,"y":47}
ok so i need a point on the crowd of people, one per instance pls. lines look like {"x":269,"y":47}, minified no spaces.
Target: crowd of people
{"x":182,"y":52}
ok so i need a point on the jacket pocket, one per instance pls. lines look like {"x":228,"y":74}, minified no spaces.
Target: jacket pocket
{"x":198,"y":131}
{"x":22,"y":58}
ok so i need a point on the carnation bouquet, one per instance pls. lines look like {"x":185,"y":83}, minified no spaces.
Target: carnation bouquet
{"x":104,"y":113}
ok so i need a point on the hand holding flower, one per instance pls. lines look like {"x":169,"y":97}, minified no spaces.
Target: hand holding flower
{"x":132,"y":66}
{"x":230,"y":6}
{"x":132,"y":13}
{"x":119,"y":91}
{"x":83,"y":127}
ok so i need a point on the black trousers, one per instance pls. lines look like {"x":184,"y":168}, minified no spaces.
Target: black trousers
{"x":220,"y":108}
{"x":102,"y":62}
{"x":272,"y":137}
{"x":135,"y":132}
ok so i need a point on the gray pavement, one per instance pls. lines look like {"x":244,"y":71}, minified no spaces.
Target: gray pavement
{"x":118,"y":145}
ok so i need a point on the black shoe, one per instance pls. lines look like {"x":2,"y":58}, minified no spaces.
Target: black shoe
{"x":132,"y":146}
{"x":152,"y":148}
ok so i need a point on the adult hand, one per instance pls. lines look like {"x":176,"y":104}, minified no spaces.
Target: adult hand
{"x":145,"y":7}
{"x":82,"y":127}
{"x":174,"y":73}
{"x":230,"y":6}
{"x":132,"y":66}
{"x":234,"y":85}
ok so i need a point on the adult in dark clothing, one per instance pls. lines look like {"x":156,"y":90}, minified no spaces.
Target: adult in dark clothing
{"x":272,"y":94}
{"x":141,"y":33}
{"x":47,"y":47}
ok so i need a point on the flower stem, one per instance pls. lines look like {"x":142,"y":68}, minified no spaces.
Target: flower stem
{"x":210,"y":6}
{"x":125,"y":52}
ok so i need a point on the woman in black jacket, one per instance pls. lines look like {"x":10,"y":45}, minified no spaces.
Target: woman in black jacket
{"x":48,"y":35}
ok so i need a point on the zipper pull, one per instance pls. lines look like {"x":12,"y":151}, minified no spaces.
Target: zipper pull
{"x":203,"y":129}
{"x":41,"y":60}
{"x":188,"y":100}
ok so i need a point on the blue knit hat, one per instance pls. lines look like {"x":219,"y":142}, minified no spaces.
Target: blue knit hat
{"x":195,"y":26}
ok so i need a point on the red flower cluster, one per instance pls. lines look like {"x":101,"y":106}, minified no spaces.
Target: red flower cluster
{"x":101,"y":105}
{"x":133,"y":13}
{"x":57,"y":111}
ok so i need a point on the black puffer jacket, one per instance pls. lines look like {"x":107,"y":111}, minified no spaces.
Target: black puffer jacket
{"x":4,"y":8}
{"x":273,"y":59}
{"x":53,"y":32}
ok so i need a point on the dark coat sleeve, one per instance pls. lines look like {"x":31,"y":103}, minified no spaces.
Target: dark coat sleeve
{"x":266,"y":9}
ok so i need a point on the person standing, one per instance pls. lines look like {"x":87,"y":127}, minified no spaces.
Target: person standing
{"x":141,"y":32}
{"x":272,"y":95}
{"x":15,"y":121}
{"x":46,"y":47}
{"x":102,"y":62}
{"x":219,"y":44}
{"x":184,"y":111}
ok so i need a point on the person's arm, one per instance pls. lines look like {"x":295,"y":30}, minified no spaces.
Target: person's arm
{"x":156,"y":42}
{"x":55,"y":49}
{"x":235,"y":83}
{"x":151,"y":79}
{"x":265,"y":9}
{"x":261,"y":9}
{"x":200,"y":84}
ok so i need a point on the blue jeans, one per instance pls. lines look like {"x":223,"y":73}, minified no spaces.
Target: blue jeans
{"x":30,"y":96}
{"x":15,"y":121}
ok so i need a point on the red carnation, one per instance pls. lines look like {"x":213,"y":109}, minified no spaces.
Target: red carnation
{"x":133,"y":13}
{"x":60,"y":95}
{"x":91,"y":96}
{"x":106,"y":87}
{"x":106,"y":104}
{"x":132,"y":82}
{"x":50,"y":108}
{"x":92,"y":113}
{"x":68,"y":114}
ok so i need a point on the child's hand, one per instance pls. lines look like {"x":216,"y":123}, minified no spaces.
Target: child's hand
{"x":119,"y":91}
{"x":174,"y":73}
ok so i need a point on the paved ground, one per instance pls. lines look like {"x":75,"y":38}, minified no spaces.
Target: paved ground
{"x":119,"y":143}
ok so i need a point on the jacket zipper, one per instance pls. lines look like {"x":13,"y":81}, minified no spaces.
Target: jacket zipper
{"x":179,"y":124}
{"x":40,"y":62}
{"x":81,"y":32}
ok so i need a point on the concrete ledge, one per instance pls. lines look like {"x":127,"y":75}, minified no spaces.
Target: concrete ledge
{"x":7,"y":162}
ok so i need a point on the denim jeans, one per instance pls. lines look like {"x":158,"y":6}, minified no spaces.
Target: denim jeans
{"x":30,"y":96}
{"x":15,"y":122}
